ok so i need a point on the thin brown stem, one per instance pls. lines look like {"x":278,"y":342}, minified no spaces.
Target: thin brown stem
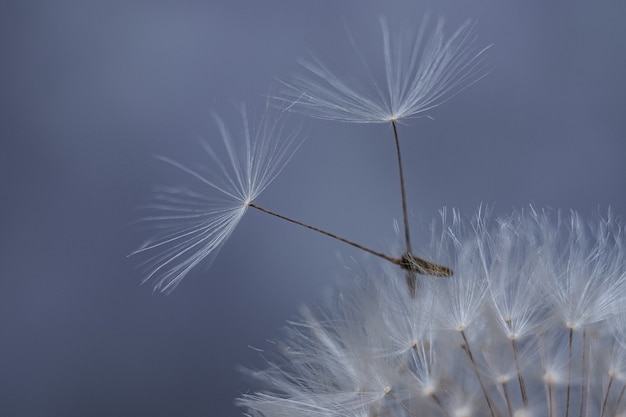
{"x":619,"y":399}
{"x":569,"y":371}
{"x":606,"y":397}
{"x":411,"y":263}
{"x":480,"y":380}
{"x":403,"y":405}
{"x":551,"y":405}
{"x":407,"y":262}
{"x":396,"y":261}
{"x":405,"y":214}
{"x":520,"y":378}
{"x":584,"y":370}
{"x":507,"y":399}
{"x":439,"y":404}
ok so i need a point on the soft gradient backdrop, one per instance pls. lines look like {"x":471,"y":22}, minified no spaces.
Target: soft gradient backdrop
{"x":90,"y":91}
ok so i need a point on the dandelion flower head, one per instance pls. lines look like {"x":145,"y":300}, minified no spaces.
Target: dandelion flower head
{"x":532,"y":324}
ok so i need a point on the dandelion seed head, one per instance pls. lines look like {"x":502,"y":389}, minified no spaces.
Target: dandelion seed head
{"x":479,"y":369}
{"x":192,"y":222}
{"x":422,"y":70}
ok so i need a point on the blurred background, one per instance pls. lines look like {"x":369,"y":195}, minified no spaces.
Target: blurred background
{"x":91,"y":91}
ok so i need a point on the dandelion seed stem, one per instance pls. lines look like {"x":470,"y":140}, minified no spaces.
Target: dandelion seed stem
{"x":407,"y":234}
{"x":520,"y":378}
{"x":551,"y":405}
{"x":393,"y":260}
{"x":606,"y":397}
{"x":619,"y":399}
{"x":407,"y":262}
{"x":569,"y":371}
{"x":480,"y":380}
{"x":507,"y":399}
{"x":402,"y":404}
{"x":411,"y":279}
{"x":439,"y":403}
{"x":582,"y":385}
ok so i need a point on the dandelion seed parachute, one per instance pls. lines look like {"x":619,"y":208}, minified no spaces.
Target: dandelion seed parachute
{"x":421,"y":72}
{"x":194,"y":221}
{"x":494,"y":340}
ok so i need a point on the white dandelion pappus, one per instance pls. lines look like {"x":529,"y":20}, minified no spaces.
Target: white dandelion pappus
{"x":421,"y":72}
{"x":194,"y":221}
{"x":500,"y":351}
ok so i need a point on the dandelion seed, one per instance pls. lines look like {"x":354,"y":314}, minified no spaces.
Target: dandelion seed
{"x":421,"y":72}
{"x":196,"y":220}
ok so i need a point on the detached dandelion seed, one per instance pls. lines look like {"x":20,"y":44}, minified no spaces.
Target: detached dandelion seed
{"x":196,"y":220}
{"x":422,"y":71}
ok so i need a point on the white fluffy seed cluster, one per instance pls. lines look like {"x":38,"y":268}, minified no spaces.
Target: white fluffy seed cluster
{"x":531,"y":324}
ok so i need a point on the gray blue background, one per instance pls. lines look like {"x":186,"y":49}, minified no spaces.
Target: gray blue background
{"x":90,"y":91}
